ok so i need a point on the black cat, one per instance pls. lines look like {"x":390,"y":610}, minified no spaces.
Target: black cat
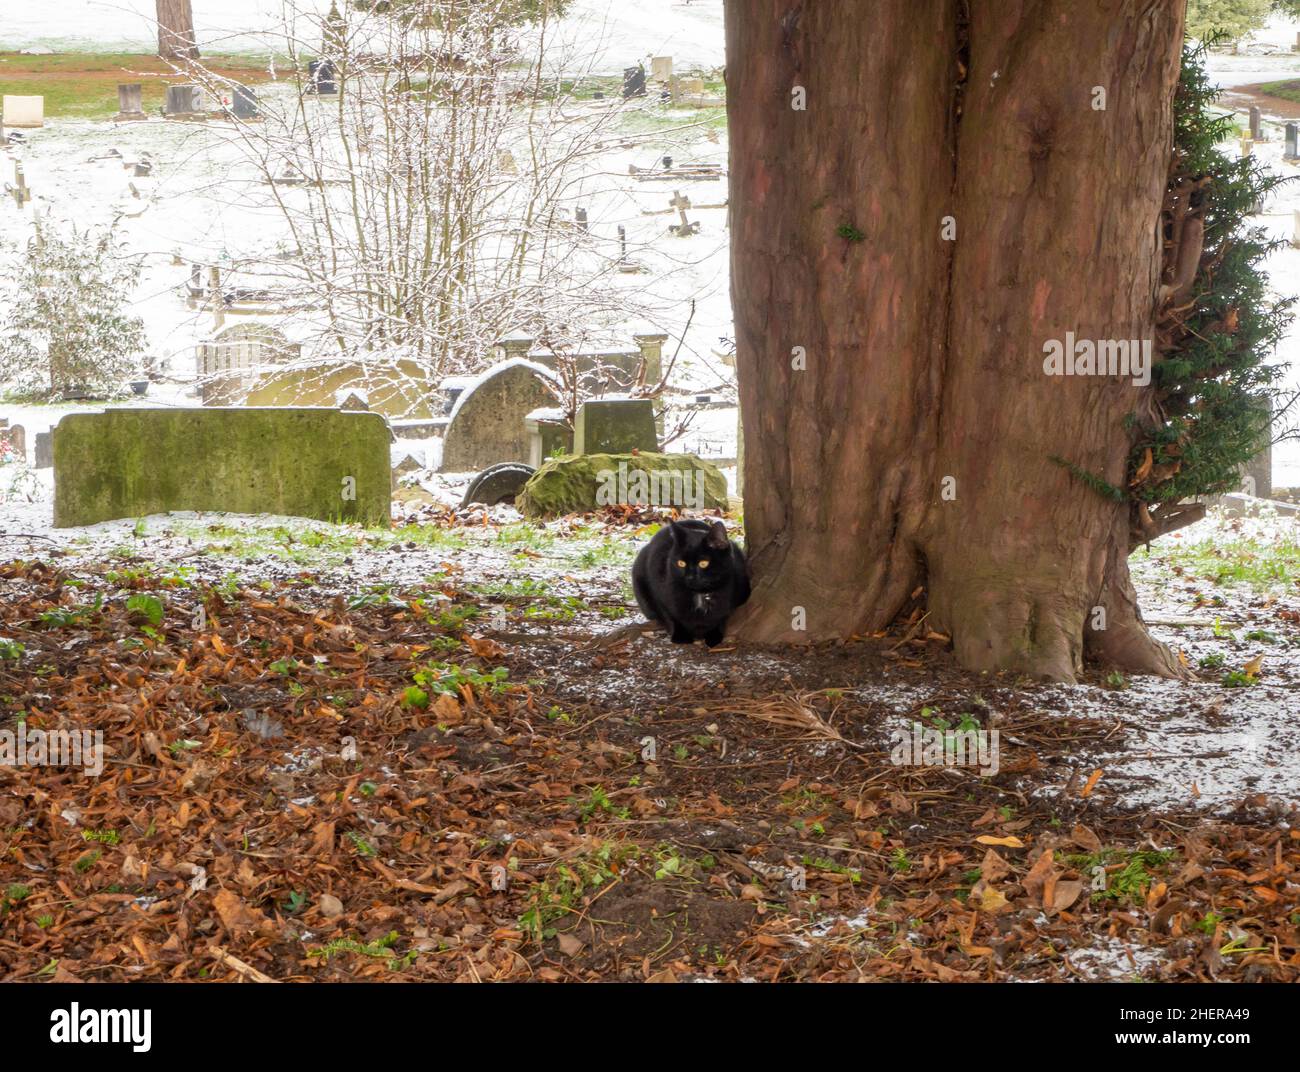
{"x":690,"y":578}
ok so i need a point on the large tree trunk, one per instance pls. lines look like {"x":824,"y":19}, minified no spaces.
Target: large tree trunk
{"x":176,"y":40}
{"x":916,"y":448}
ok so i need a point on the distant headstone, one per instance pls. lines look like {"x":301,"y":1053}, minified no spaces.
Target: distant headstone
{"x":580,"y":218}
{"x":130,"y":102}
{"x":549,"y":434}
{"x":44,"y":450}
{"x":661,"y":68}
{"x":633,"y":82}
{"x":17,"y":437}
{"x":487,"y":423}
{"x":351,"y":400}
{"x":323,"y":78}
{"x":231,"y":361}
{"x":1254,"y":121}
{"x":304,"y":462}
{"x":1292,"y":137}
{"x":244,"y":102}
{"x":18,"y":442}
{"x":408,"y":464}
{"x":183,"y":100}
{"x":615,"y":426}
{"x":24,"y":111}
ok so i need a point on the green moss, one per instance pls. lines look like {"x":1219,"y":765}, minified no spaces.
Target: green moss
{"x":135,"y":462}
{"x":589,"y":482}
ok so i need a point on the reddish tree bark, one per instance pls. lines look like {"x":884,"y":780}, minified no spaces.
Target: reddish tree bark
{"x":924,"y":353}
{"x":176,"y":40}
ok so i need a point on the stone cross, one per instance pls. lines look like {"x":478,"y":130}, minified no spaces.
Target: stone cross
{"x":686,"y":227}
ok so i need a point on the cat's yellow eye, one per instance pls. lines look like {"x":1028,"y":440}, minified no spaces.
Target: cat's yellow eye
{"x":704,"y":563}
{"x":681,"y":563}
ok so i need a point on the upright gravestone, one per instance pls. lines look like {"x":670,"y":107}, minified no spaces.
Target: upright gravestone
{"x":23,"y":111}
{"x":244,"y":102}
{"x":130,"y":102}
{"x":1292,"y":136}
{"x":322,"y":78}
{"x":183,"y":100}
{"x":1254,"y":122}
{"x":661,"y":68}
{"x":633,"y":81}
{"x":615,"y":426}
{"x":18,"y":442}
{"x":487,"y":423}
{"x":44,"y":451}
{"x":549,"y":434}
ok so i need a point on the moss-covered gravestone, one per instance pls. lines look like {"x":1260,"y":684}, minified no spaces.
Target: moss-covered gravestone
{"x":486,"y":425}
{"x":615,"y":426}
{"x":320,"y":463}
{"x":584,"y":482}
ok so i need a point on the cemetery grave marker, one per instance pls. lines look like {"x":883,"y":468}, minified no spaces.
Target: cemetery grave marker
{"x":27,"y":112}
{"x":305,"y":462}
{"x":17,"y":436}
{"x":130,"y":103}
{"x":615,"y":426}
{"x":44,"y":454}
{"x":487,"y":423}
{"x":1254,"y":122}
{"x":686,"y":228}
{"x":184,"y":102}
{"x":322,"y":78}
{"x":1292,"y":130}
{"x":661,"y":68}
{"x":244,"y":103}
{"x":633,"y":82}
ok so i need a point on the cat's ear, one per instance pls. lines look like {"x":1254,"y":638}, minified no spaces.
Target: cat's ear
{"x":717,"y":538}
{"x":678,"y":533}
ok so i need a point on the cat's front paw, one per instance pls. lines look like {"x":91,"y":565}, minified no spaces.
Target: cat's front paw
{"x":713,"y":638}
{"x":681,"y":636}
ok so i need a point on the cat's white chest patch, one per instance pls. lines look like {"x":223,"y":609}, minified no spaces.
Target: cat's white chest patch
{"x":702,"y":602}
